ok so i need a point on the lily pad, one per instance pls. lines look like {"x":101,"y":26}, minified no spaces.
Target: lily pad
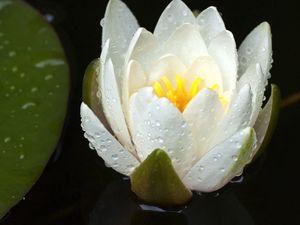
{"x":156,"y":182}
{"x":34,"y":87}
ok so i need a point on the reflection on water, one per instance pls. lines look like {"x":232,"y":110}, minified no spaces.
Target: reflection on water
{"x":116,"y":205}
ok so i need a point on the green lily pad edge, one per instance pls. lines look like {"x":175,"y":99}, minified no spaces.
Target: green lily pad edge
{"x":34,"y":92}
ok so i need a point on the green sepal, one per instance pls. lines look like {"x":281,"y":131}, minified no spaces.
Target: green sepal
{"x":90,"y":85}
{"x":90,"y":90}
{"x":269,"y":112}
{"x":156,"y":182}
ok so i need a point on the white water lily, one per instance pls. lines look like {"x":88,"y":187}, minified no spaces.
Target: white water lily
{"x":184,"y":89}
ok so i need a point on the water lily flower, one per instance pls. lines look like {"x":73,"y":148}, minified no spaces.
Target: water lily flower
{"x":181,"y":107}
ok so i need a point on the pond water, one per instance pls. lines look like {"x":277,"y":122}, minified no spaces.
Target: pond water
{"x":76,"y":188}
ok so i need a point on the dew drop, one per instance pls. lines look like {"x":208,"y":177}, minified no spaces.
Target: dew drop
{"x":49,"y":17}
{"x":48,"y":77}
{"x":14,"y":69}
{"x":234,"y":158}
{"x":22,"y":156}
{"x":115,"y":156}
{"x":91,"y":146}
{"x":28,"y":105}
{"x":243,"y":60}
{"x":12,"y":54}
{"x":130,"y":167}
{"x":102,"y":22}
{"x":160,"y":140}
{"x":170,"y":17}
{"x":7,"y":139}
{"x":248,"y":51}
{"x":34,"y":89}
{"x":238,"y":145}
{"x":201,"y":22}
{"x":49,"y":62}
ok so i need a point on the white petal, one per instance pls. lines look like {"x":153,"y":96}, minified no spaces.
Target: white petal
{"x":169,"y":66}
{"x":257,"y":48}
{"x":144,"y":49}
{"x":134,"y":79}
{"x":206,"y":68}
{"x":137,"y":107}
{"x":266,"y":119}
{"x":112,"y":106}
{"x":175,"y":14}
{"x":210,"y":23}
{"x":119,"y":27}
{"x":222,"y":163}
{"x":186,"y":43}
{"x":103,"y":57}
{"x":223,"y":49}
{"x":104,"y":53}
{"x":255,"y":78}
{"x":105,"y":144}
{"x":203,"y":114}
{"x":161,"y":125}
{"x":237,"y":117}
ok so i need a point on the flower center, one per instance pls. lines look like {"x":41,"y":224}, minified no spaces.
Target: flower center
{"x":179,"y":96}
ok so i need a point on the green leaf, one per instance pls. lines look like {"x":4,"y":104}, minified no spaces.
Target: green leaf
{"x":267,"y":120}
{"x":156,"y":182}
{"x":34,"y":87}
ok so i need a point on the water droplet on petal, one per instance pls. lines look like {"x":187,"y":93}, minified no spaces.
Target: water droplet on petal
{"x":234,"y":157}
{"x":115,"y":156}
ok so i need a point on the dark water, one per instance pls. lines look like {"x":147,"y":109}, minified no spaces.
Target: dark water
{"x":76,"y":188}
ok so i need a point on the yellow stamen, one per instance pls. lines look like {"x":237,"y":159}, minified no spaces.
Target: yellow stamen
{"x":167,"y":83}
{"x":179,"y":96}
{"x":215,"y":87}
{"x":158,"y":89}
{"x":195,"y":86}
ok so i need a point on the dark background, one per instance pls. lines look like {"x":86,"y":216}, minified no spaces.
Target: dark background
{"x":76,"y":188}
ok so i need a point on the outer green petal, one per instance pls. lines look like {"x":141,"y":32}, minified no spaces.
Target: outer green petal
{"x":156,"y":182}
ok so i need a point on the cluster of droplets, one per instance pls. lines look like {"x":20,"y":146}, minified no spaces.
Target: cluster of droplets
{"x":107,"y":149}
{"x":17,"y":144}
{"x":155,"y":134}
